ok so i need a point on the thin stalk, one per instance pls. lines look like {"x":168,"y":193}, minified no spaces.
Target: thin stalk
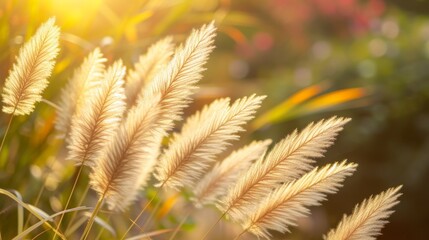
{"x":154,"y":211}
{"x":211,"y":228}
{"x":43,"y":221}
{"x":51,"y":104}
{"x":241,"y":234}
{"x":39,"y":195}
{"x":92,"y":218}
{"x":75,"y":226}
{"x":26,"y":206}
{"x":69,"y":198}
{"x":42,"y":189}
{"x":141,"y":212}
{"x":7,"y":130}
{"x":178,"y":227}
{"x":82,"y":198}
{"x":40,"y":234}
{"x":102,"y":229}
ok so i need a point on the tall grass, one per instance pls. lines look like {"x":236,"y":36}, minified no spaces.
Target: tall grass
{"x":113,"y":124}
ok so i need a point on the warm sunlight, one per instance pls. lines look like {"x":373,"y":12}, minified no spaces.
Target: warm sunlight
{"x":218,"y":119}
{"x":73,"y":12}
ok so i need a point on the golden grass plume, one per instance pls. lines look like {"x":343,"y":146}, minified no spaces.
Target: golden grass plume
{"x":124,"y":165}
{"x":368,"y":218}
{"x":176,"y":82}
{"x":191,"y":153}
{"x":150,"y":63}
{"x":224,"y":174}
{"x":128,"y":160}
{"x":199,"y":117}
{"x":34,"y":64}
{"x":282,"y":207}
{"x":95,"y":126}
{"x":78,"y":90}
{"x":288,"y":160}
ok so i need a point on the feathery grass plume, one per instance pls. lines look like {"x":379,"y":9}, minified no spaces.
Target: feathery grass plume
{"x":176,"y":83}
{"x":282,"y":207}
{"x":200,"y":116}
{"x":288,"y":160}
{"x":156,"y":57}
{"x":169,"y":93}
{"x":34,"y":64}
{"x":170,"y":90}
{"x":95,"y":126}
{"x":224,"y":174}
{"x":124,"y":164}
{"x":368,"y":218}
{"x":78,"y":90}
{"x":190,"y":154}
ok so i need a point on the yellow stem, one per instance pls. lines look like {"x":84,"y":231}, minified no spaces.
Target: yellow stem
{"x":92,"y":218}
{"x":102,"y":229}
{"x":152,"y":214}
{"x":69,"y":198}
{"x":141,"y":212}
{"x":40,"y":234}
{"x":39,"y":195}
{"x":178,"y":227}
{"x":7,"y":130}
{"x":211,"y":228}
{"x":82,"y":198}
{"x":241,"y":234}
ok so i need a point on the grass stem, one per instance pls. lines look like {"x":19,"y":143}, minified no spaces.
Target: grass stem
{"x":241,"y":234}
{"x":142,"y":211}
{"x":7,"y":130}
{"x":92,"y":218}
{"x":102,"y":229}
{"x":212,"y":227}
{"x":69,"y":198}
{"x":82,"y":198}
{"x":152,"y":214}
{"x":176,"y":230}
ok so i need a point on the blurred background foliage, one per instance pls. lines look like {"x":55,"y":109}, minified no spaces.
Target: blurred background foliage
{"x":365,"y":59}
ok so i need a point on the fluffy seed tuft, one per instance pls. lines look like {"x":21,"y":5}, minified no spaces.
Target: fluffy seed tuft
{"x":34,"y":64}
{"x":368,"y":218}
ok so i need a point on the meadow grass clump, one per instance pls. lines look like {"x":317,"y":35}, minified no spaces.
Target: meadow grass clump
{"x":113,"y":123}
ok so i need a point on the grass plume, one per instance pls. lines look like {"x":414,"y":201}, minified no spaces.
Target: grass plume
{"x":127,"y":162}
{"x":288,"y":160}
{"x":282,"y":207}
{"x":34,"y":64}
{"x":192,"y":152}
{"x":176,"y":82}
{"x":215,"y":183}
{"x":95,"y":126}
{"x":124,"y":164}
{"x":79,"y":89}
{"x":150,"y":63}
{"x":368,"y":218}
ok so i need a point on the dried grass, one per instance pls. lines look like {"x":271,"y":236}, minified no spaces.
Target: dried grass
{"x":34,"y":64}
{"x":282,"y":207}
{"x":78,"y":90}
{"x":263,"y":192}
{"x":216,"y":183}
{"x":148,"y":65}
{"x":288,"y":160}
{"x":191,"y":153}
{"x":368,"y":218}
{"x":99,"y":119}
